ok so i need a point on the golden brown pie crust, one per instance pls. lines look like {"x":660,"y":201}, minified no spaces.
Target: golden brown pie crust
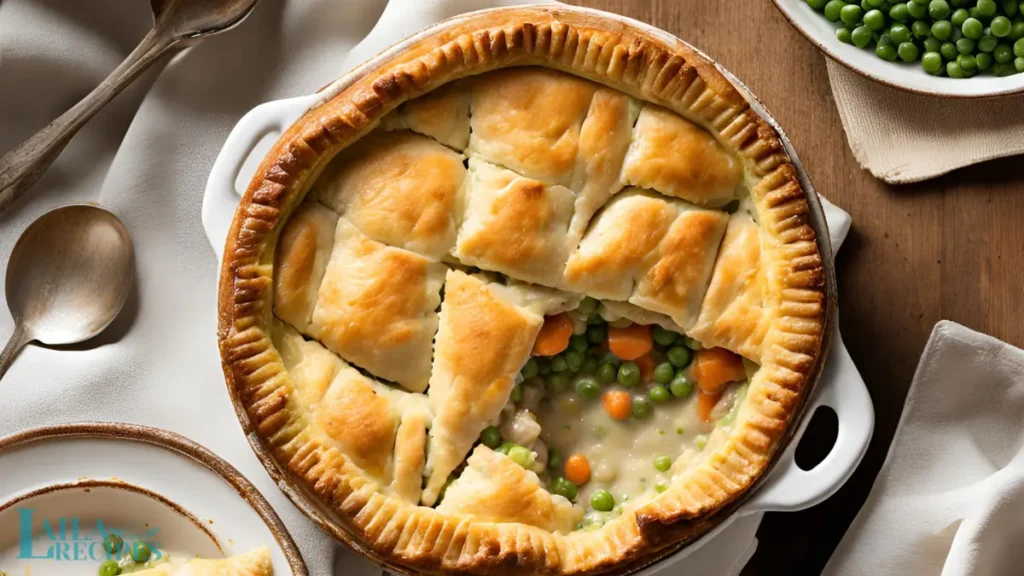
{"x":621,"y":57}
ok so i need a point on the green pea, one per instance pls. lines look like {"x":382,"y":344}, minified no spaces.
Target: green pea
{"x":579,"y":343}
{"x":659,"y":394}
{"x":1018,"y":63}
{"x":597,"y":333}
{"x":563,"y":487}
{"x":109,"y":568}
{"x":973,"y":13}
{"x":660,"y":487}
{"x":1003,"y":53}
{"x":1018,"y":48}
{"x":664,"y":372}
{"x":987,"y":8}
{"x":692,"y":343}
{"x":112,"y":543}
{"x":588,"y":305}
{"x":1017,"y":32}
{"x":942,"y":29}
{"x":558,"y":364}
{"x":606,"y":372}
{"x":921,"y":2}
{"x":554,"y":459}
{"x":931,"y":62}
{"x":1010,"y":7}
{"x":948,"y":50}
{"x":641,"y":407}
{"x":833,"y":10}
{"x":595,"y":319}
{"x":681,"y":386}
{"x":938,"y":9}
{"x":679,"y":356}
{"x":953,"y":70}
{"x":543,"y":365}
{"x":602,"y":501}
{"x":818,"y":5}
{"x":851,"y":14}
{"x":920,"y":29}
{"x":965,"y":46}
{"x":987,"y":44}
{"x":666,"y":337}
{"x":899,"y":33}
{"x":491,"y":437}
{"x":517,"y":393}
{"x":662,"y":463}
{"x":609,"y":356}
{"x":899,"y":12}
{"x":932,"y":44}
{"x":1004,"y":69}
{"x":587,"y":387}
{"x":558,"y":383}
{"x":917,"y":10}
{"x":908,"y":51}
{"x":141,"y":551}
{"x":861,"y":36}
{"x":573,"y":360}
{"x":521,"y":455}
{"x":629,"y":374}
{"x":876,"y":3}
{"x":589,"y":365}
{"x":984,"y":61}
{"x":874,"y":19}
{"x":1001,"y":26}
{"x":959,"y":17}
{"x":530,"y":369}
{"x":973,"y":28}
{"x":967,"y":62}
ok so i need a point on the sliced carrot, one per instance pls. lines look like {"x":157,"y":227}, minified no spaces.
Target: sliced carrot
{"x":554,"y":335}
{"x":706,"y":403}
{"x":617,"y":404}
{"x":646,"y":364}
{"x":577,"y":469}
{"x":715,"y":367}
{"x":630,"y":343}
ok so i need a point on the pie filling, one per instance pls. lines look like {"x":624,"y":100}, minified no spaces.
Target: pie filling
{"x":524,"y":308}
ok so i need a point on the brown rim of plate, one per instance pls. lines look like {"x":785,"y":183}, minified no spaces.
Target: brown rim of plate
{"x":328,"y":519}
{"x":89,"y":483}
{"x":183,"y":447}
{"x":835,"y":58}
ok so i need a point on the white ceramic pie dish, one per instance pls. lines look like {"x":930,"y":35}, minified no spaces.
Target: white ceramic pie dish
{"x":787,"y":488}
{"x":910,"y":77}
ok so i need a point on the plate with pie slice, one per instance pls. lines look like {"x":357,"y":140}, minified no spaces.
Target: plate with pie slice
{"x":536,"y":290}
{"x":108,"y":499}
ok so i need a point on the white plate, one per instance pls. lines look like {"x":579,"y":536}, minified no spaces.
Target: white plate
{"x":901,"y":75}
{"x":62,"y":488}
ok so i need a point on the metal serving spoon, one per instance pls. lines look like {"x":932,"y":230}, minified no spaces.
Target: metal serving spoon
{"x":68,"y":277}
{"x":175,"y":23}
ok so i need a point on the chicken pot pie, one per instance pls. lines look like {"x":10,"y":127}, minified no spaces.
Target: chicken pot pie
{"x":538,"y":295}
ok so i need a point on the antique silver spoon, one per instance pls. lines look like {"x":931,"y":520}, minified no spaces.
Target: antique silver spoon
{"x":68,"y":277}
{"x":175,"y":23}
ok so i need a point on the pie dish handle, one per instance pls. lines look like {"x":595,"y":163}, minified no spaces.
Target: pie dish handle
{"x":789,"y":488}
{"x":250,"y":139}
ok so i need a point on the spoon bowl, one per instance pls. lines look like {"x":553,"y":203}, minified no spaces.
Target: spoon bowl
{"x":68,"y":277}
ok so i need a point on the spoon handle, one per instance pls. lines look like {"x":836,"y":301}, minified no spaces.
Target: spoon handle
{"x":24,"y":165}
{"x":19,"y":338}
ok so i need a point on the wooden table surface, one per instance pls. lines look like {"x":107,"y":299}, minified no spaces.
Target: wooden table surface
{"x":949,"y":248}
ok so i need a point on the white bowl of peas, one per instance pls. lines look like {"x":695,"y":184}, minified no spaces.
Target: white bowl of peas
{"x":951,"y":48}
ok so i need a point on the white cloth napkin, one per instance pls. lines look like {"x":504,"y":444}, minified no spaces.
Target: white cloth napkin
{"x":902,"y":137}
{"x":147,"y":157}
{"x":950,"y":497}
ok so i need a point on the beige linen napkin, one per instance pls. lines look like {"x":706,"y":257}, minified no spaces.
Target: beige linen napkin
{"x":902,"y":137}
{"x":950,"y":497}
